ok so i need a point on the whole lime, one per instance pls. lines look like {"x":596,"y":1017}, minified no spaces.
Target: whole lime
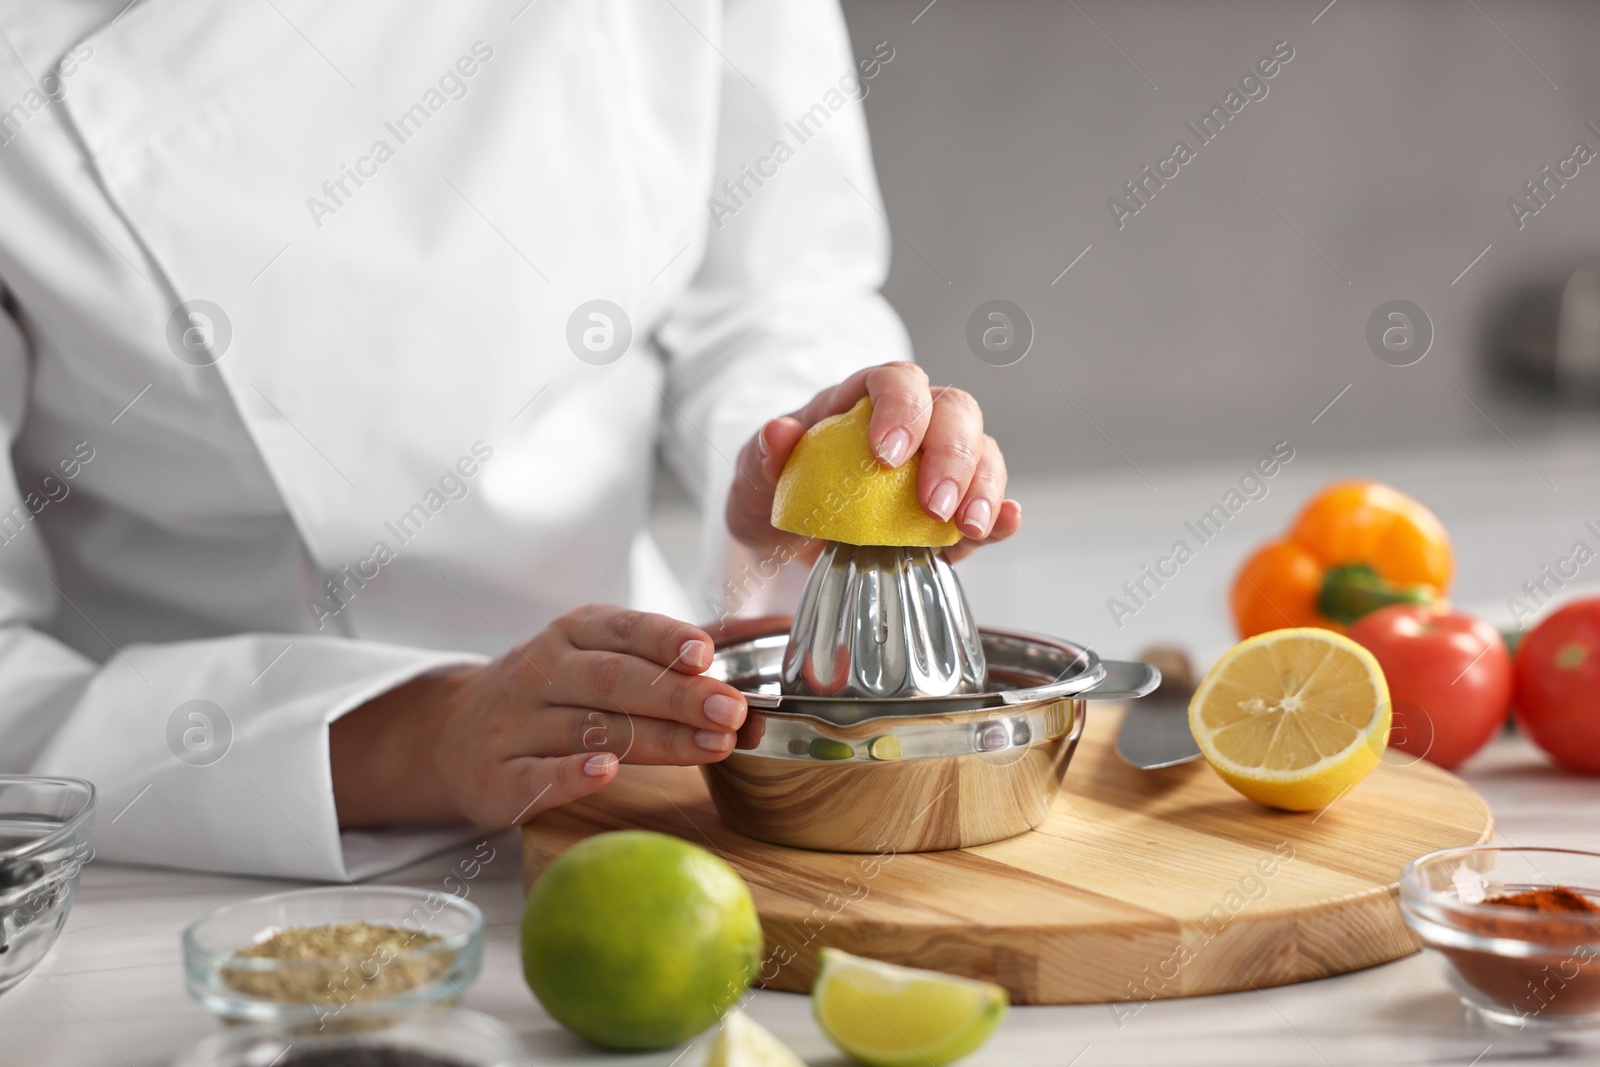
{"x":639,"y":940}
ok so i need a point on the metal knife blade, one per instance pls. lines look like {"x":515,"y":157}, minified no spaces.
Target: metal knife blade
{"x":1155,"y":729}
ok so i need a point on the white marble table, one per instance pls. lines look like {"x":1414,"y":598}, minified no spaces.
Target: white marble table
{"x":112,"y":992}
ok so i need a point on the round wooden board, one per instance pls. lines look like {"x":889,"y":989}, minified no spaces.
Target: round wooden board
{"x":1140,"y":885}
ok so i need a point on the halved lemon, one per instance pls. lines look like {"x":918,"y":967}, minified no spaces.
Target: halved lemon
{"x":889,"y":1016}
{"x":832,"y":487}
{"x":1293,"y":718}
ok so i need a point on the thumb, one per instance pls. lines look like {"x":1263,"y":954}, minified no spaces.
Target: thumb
{"x":774,"y":442}
{"x":761,"y":460}
{"x":756,"y":471}
{"x":534,"y":784}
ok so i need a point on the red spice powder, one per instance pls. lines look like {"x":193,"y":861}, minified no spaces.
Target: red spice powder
{"x":1556,"y":898}
{"x":1563,"y":982}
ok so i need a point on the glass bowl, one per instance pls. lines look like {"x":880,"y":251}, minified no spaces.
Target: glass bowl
{"x":347,"y":991}
{"x":45,"y":828}
{"x":1514,"y":965}
{"x":455,"y":1037}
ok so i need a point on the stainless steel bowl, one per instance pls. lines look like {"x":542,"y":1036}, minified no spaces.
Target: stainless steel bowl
{"x":906,"y":774}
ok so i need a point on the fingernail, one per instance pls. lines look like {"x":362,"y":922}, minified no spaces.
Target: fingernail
{"x":761,"y":440}
{"x":713,"y":740}
{"x":944,"y":499}
{"x":977,"y":522}
{"x":894,"y":448}
{"x":724,"y":710}
{"x":696,"y":654}
{"x":595,"y":766}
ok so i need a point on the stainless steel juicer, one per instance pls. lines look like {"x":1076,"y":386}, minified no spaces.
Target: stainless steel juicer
{"x":876,"y":623}
{"x":883,"y":720}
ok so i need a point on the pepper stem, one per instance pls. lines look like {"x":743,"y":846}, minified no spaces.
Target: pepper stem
{"x":1352,"y":590}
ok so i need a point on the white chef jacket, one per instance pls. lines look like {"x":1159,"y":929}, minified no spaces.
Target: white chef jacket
{"x":392,"y":365}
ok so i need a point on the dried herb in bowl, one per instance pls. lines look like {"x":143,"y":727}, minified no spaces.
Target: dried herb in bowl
{"x":343,"y":962}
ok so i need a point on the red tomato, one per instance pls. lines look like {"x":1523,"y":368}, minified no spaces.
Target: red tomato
{"x":1558,"y":685}
{"x":1449,"y":678}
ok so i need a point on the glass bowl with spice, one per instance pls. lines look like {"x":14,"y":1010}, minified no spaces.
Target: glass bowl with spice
{"x":1518,"y":930}
{"x":339,"y":958}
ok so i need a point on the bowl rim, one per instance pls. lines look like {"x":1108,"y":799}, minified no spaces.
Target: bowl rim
{"x":213,"y":963}
{"x":69,"y":828}
{"x":1412,"y":891}
{"x":1086,"y":675}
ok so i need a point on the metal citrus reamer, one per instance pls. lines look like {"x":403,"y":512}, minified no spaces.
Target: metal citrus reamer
{"x":877,"y":622}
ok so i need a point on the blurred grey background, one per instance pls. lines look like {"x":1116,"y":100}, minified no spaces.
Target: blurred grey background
{"x":1232,"y":310}
{"x":1207,"y":326}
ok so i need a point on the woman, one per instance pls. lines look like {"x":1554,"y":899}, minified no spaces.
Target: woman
{"x":335,"y":344}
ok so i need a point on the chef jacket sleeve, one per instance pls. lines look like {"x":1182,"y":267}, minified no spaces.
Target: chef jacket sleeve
{"x":204,"y":754}
{"x":785,"y":301}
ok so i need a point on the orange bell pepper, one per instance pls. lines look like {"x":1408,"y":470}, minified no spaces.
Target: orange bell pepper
{"x":1355,"y":547}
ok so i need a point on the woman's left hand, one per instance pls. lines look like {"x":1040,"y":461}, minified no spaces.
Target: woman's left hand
{"x":963,"y":474}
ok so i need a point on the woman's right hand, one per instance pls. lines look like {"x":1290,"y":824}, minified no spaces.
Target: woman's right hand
{"x":542,"y":725}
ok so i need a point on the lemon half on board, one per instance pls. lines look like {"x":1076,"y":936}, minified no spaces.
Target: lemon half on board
{"x":888,"y":1016}
{"x":1293,"y":718}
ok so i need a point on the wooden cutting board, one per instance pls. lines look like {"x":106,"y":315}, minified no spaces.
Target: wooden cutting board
{"x":1140,"y":885}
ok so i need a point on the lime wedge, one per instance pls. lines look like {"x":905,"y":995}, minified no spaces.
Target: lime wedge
{"x":743,"y":1042}
{"x":888,"y":1016}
